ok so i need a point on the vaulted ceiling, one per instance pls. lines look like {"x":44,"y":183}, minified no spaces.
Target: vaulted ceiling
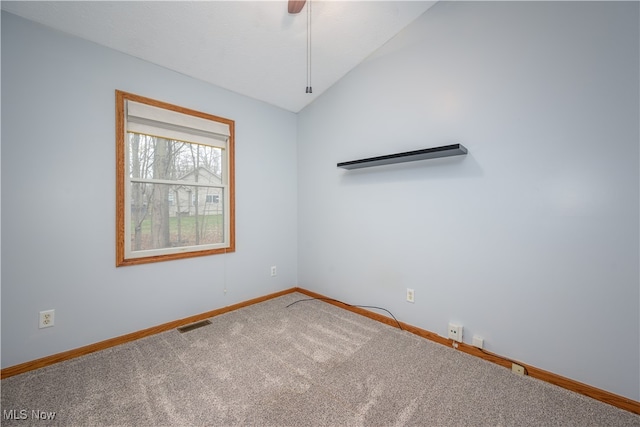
{"x":255,"y":48}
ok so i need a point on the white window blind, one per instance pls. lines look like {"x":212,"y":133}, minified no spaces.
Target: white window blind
{"x":149,"y":120}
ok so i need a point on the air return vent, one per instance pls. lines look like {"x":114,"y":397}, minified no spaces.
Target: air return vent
{"x":193,"y":326}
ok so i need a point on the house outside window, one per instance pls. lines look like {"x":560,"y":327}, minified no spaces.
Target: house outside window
{"x":175,"y":187}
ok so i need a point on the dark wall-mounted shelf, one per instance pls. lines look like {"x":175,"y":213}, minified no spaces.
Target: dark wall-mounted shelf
{"x":409,"y":156}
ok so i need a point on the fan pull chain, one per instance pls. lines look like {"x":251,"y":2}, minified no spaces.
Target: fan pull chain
{"x":309,"y":89}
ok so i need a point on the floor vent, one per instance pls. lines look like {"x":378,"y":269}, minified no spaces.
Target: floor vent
{"x":193,"y":326}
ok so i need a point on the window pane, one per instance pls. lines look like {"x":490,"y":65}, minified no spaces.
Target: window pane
{"x":167,"y":216}
{"x":151,"y":157}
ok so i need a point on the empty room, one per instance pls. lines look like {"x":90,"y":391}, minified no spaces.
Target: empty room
{"x":291,"y":213}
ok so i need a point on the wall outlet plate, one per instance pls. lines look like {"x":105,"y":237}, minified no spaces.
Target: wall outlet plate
{"x":517,"y":369}
{"x":478,"y":341}
{"x":46,"y":319}
{"x":410,"y":295}
{"x":455,"y":332}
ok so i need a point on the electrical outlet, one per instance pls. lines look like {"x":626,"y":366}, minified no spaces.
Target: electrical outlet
{"x":46,"y":319}
{"x":274,"y":271}
{"x":455,"y":332}
{"x":410,"y":295}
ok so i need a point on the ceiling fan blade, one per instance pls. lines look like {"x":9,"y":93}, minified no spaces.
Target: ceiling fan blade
{"x":295,"y":6}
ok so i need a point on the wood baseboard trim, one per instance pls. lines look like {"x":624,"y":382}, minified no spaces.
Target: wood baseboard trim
{"x":102,"y":345}
{"x":567,"y":383}
{"x":558,"y":380}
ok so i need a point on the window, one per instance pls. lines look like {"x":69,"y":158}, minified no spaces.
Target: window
{"x":175,"y":182}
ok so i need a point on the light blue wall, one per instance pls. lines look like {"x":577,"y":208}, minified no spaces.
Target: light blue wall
{"x":533,"y":235}
{"x":58,"y":197}
{"x":530,"y":241}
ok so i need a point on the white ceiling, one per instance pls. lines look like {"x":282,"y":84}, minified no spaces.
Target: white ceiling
{"x":254,"y":48}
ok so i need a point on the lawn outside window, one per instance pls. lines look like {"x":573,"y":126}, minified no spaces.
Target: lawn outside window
{"x":175,"y":182}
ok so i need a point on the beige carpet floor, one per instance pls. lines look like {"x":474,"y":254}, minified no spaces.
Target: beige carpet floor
{"x":312,"y":364}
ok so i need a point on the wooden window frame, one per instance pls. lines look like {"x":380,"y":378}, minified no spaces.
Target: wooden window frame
{"x":121,"y":182}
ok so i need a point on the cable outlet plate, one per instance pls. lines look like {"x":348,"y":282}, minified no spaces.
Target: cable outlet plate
{"x":478,"y":341}
{"x":410,"y":295}
{"x":46,"y":319}
{"x":517,"y":369}
{"x":455,"y":332}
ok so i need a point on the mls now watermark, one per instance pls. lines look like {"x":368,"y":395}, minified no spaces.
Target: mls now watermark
{"x":23,"y":414}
